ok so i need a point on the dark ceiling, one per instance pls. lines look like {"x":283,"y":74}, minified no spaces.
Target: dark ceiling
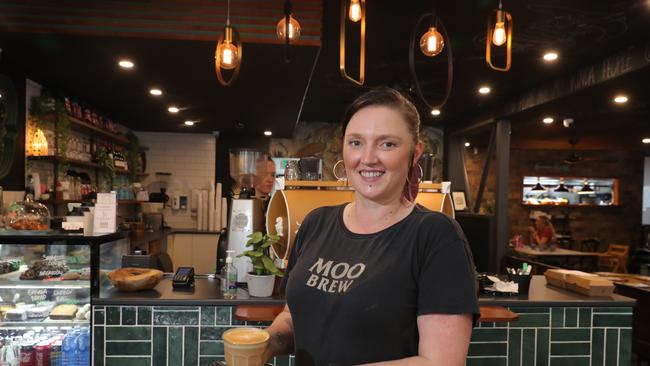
{"x":270,"y":94}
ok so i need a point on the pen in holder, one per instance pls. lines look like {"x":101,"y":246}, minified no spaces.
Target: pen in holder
{"x":523,"y":282}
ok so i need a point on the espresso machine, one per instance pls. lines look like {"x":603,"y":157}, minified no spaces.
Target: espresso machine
{"x":246,"y":213}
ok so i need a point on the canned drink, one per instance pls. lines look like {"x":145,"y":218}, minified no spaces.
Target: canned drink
{"x":27,"y":355}
{"x":42,"y":351}
{"x":55,"y":354}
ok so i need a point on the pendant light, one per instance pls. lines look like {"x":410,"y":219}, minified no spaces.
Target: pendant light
{"x":228,"y":55}
{"x":499,"y":33}
{"x":356,"y":13}
{"x":288,"y":28}
{"x":561,"y":187}
{"x":538,"y":188}
{"x":586,"y":189}
{"x":431,"y":43}
{"x":37,"y":143}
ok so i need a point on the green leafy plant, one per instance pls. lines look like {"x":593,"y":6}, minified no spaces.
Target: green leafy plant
{"x":259,"y":254}
{"x":133,"y":154}
{"x":107,"y":165}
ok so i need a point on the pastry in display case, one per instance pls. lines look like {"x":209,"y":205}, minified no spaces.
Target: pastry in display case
{"x":28,"y":215}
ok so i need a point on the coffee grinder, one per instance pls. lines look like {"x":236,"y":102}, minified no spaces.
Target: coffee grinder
{"x":246,"y":213}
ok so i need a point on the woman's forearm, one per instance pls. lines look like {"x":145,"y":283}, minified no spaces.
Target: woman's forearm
{"x":281,"y":332}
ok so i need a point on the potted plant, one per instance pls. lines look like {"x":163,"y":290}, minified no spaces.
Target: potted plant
{"x":262,"y":278}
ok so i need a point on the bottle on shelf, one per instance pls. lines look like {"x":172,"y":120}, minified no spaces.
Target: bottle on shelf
{"x":230,"y":277}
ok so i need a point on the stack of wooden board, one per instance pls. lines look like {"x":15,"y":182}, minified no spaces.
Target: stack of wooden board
{"x":581,"y":282}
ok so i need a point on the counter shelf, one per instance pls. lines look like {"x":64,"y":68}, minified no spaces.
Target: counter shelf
{"x":206,"y":292}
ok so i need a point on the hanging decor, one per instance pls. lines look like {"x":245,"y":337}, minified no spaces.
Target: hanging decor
{"x":431,"y":44}
{"x":228,"y":55}
{"x":357,"y":12}
{"x":36,"y":142}
{"x":288,"y":29}
{"x":499,"y":33}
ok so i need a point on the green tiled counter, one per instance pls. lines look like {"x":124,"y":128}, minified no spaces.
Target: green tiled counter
{"x":564,"y":329}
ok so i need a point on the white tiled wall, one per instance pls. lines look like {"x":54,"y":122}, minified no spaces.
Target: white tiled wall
{"x":190,"y":158}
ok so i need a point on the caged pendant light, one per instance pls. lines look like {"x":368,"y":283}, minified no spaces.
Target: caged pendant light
{"x":499,"y":33}
{"x":431,"y":44}
{"x":228,"y":55}
{"x":356,"y":13}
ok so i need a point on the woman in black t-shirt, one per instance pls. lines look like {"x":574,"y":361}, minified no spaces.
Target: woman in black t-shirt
{"x":380,"y":279}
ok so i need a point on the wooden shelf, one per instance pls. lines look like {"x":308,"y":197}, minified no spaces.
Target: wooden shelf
{"x":85,"y":127}
{"x":60,"y":202}
{"x":81,"y":163}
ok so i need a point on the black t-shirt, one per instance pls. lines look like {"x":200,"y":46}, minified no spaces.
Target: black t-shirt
{"x":355,"y":298}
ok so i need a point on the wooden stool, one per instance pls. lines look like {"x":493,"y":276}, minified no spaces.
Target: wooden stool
{"x":258,"y":313}
{"x":497,"y":314}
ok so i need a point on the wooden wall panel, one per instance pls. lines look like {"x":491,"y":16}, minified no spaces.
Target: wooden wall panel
{"x":161,"y":19}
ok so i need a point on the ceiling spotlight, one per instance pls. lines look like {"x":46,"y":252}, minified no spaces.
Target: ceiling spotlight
{"x":435,"y":112}
{"x":484,"y":90}
{"x":173,"y":109}
{"x":620,"y":99}
{"x":189,"y":123}
{"x":155,"y":92}
{"x":126,"y":64}
{"x":548,"y":120}
{"x":268,"y":133}
{"x":550,"y":56}
{"x":467,"y":144}
{"x":646,"y":140}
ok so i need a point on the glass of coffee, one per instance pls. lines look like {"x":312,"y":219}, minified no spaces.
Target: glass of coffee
{"x":245,"y":346}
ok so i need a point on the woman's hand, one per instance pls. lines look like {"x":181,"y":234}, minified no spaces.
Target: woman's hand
{"x":281,"y":335}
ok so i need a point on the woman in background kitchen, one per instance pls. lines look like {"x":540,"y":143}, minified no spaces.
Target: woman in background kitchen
{"x":380,"y":279}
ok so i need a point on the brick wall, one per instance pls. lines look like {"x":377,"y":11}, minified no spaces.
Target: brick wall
{"x":610,"y":224}
{"x":191,"y":160}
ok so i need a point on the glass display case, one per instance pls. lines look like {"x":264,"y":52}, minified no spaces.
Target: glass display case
{"x":46,"y":283}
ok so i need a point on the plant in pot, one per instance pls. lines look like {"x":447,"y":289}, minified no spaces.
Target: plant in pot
{"x":262,"y":278}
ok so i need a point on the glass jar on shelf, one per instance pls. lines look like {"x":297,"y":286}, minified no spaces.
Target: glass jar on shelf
{"x":28,"y":215}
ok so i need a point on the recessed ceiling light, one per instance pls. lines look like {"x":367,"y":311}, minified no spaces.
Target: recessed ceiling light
{"x":484,"y":90}
{"x":268,"y":133}
{"x":620,"y":99}
{"x":0,"y":96}
{"x":189,"y":123}
{"x":548,"y":120}
{"x":126,"y":64}
{"x":550,"y":56}
{"x":155,"y":91}
{"x":467,"y":144}
{"x":173,"y":109}
{"x":646,"y":140}
{"x":435,"y":112}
